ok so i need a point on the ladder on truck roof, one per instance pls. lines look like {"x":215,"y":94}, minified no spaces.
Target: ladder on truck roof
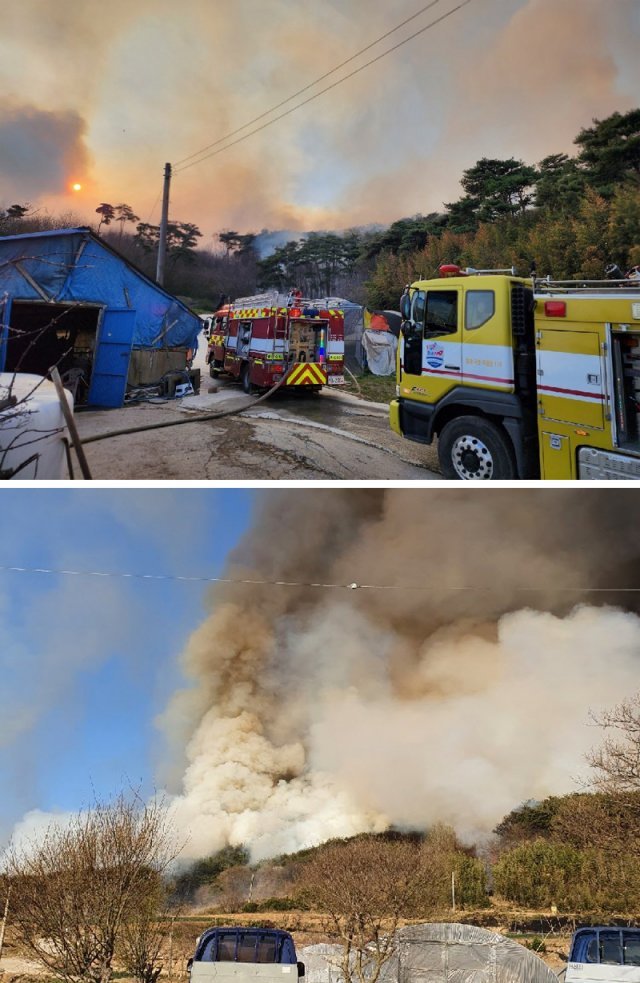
{"x":545,"y":285}
{"x":276,"y":299}
{"x":270,"y":299}
{"x":471,"y":271}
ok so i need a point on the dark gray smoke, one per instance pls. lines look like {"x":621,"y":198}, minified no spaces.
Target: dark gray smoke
{"x":42,"y":151}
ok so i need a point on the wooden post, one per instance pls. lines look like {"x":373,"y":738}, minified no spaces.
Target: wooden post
{"x":173,"y":921}
{"x":453,"y":890}
{"x":3,"y":923}
{"x":71,"y":423}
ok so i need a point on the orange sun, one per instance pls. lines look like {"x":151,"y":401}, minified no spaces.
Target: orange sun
{"x":76,"y":187}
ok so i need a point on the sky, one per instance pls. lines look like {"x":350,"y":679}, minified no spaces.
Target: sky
{"x":276,"y":713}
{"x":89,"y":663}
{"x":104,"y":94}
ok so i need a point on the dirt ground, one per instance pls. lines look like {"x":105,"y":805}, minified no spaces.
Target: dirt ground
{"x":14,"y":967}
{"x":324,"y":436}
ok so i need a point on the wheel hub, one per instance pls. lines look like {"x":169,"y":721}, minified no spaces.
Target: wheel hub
{"x":472,"y":459}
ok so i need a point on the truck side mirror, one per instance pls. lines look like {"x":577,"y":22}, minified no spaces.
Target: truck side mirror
{"x":405,"y":305}
{"x":301,"y":969}
{"x":189,"y":964}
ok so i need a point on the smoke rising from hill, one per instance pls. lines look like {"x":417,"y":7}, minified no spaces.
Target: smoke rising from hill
{"x":317,"y":713}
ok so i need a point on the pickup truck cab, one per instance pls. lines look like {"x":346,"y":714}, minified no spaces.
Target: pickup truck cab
{"x":235,"y":954}
{"x":601,"y":953}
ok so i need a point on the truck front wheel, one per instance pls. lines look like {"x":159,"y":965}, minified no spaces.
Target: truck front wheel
{"x":471,"y":448}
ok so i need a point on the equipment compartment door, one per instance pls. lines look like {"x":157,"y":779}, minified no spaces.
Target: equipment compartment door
{"x":244,"y":339}
{"x":570,"y":370}
{"x":5,"y":317}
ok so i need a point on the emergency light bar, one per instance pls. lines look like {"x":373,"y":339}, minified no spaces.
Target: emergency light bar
{"x":450,"y":269}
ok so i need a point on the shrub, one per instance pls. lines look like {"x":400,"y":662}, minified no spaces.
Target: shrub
{"x":536,"y":944}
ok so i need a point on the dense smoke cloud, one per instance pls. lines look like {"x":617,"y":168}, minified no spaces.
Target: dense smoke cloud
{"x":41,"y":149}
{"x":320,"y":712}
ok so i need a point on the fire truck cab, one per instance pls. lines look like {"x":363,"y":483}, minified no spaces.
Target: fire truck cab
{"x":521,"y":378}
{"x":262,"y":339}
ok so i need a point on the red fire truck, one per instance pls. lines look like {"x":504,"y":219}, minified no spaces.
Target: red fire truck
{"x":258,"y":339}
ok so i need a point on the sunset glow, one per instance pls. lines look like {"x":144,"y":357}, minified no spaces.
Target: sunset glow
{"x":119,"y":112}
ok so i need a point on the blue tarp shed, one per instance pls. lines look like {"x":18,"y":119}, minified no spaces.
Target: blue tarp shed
{"x":69,"y":288}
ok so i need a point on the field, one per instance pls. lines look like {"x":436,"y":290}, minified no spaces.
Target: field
{"x":308,"y":928}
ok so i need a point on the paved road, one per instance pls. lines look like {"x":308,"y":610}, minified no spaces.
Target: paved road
{"x":287,"y":437}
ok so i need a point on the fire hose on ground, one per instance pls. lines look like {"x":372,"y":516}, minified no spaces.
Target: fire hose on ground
{"x":204,"y":418}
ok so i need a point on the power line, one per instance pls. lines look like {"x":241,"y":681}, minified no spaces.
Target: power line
{"x":155,"y":205}
{"x":321,"y":78}
{"x":301,"y":583}
{"x":464,"y":3}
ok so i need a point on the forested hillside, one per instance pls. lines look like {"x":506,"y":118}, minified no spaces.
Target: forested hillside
{"x":571,"y":215}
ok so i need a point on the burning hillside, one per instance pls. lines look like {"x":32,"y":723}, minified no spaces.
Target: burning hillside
{"x":458,"y":689}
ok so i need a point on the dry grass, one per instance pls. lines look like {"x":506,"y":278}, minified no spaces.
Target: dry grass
{"x":373,"y":388}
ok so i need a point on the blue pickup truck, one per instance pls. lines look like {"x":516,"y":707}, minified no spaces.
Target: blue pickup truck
{"x":235,"y":954}
{"x":604,"y":953}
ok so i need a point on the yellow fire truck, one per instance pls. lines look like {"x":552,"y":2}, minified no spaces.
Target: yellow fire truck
{"x":521,"y":378}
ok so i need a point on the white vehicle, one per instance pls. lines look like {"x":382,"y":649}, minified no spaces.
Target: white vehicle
{"x":32,"y":428}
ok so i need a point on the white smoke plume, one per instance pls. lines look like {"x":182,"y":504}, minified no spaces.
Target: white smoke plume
{"x":317,"y":713}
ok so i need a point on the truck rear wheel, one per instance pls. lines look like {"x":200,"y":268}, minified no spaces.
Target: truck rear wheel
{"x":471,"y":448}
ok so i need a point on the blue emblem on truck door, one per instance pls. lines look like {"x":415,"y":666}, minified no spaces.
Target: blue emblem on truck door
{"x":434,"y":354}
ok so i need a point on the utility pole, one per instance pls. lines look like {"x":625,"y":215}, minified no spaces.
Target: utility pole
{"x":453,"y":890}
{"x":162,"y":242}
{"x":173,"y":921}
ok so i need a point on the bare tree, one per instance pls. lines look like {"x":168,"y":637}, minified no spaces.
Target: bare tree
{"x":145,"y":930}
{"x":617,"y":761}
{"x":365,"y":886}
{"x":75,"y":889}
